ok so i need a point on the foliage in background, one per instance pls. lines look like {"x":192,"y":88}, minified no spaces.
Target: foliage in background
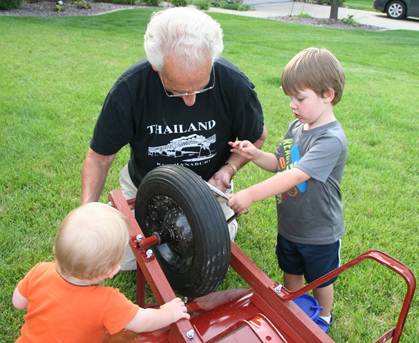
{"x":122,"y":2}
{"x":178,"y":3}
{"x":48,"y":109}
{"x":201,"y":4}
{"x":82,"y":4}
{"x":10,"y":4}
{"x":59,"y":6}
{"x":230,"y":4}
{"x":304,"y":15}
{"x":154,"y":3}
{"x":349,"y":20}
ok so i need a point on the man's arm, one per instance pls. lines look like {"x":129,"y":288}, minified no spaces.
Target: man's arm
{"x":258,"y":144}
{"x":222,"y":178}
{"x":95,"y":171}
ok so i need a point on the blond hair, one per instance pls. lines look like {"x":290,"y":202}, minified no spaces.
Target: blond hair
{"x":316,"y":69}
{"x":91,"y":241}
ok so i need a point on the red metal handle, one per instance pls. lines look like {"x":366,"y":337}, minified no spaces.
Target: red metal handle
{"x":383,"y":259}
{"x":145,"y":243}
{"x":152,"y":272}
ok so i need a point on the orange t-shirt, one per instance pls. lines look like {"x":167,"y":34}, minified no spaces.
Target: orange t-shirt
{"x":59,"y":311}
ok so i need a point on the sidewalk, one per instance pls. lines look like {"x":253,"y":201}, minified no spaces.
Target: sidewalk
{"x":279,"y":8}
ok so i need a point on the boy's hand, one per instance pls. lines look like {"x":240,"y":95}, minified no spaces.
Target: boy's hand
{"x":240,"y":201}
{"x":245,"y":149}
{"x":176,"y":308}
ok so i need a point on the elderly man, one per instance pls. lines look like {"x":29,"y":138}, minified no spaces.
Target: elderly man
{"x":180,"y":106}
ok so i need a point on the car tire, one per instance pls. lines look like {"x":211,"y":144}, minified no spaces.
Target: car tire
{"x":175,"y":201}
{"x":396,"y":9}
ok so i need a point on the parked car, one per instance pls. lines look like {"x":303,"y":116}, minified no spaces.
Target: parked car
{"x":398,"y":9}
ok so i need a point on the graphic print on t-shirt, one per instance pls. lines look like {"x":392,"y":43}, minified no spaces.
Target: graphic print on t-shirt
{"x":191,"y":144}
{"x":288,"y":154}
{"x":191,"y":148}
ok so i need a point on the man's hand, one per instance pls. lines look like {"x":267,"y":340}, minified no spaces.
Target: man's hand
{"x":222,"y":178}
{"x":241,"y":201}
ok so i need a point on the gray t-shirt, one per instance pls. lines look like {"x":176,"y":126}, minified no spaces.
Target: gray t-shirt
{"x":311,"y":212}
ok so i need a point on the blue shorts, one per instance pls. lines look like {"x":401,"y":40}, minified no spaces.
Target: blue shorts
{"x":310,"y":260}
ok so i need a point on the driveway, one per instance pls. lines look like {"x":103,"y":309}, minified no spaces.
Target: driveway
{"x":279,"y":8}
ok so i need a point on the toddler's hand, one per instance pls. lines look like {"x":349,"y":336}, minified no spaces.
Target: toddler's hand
{"x":245,"y":149}
{"x":240,"y":201}
{"x":176,"y":308}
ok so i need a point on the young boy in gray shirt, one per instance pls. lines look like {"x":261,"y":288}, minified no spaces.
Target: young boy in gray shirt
{"x":309,"y":164}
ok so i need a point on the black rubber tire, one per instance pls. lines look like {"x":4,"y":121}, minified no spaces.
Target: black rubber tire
{"x":396,"y":9}
{"x":195,"y":264}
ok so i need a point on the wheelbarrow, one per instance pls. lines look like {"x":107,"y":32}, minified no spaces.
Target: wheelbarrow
{"x":180,"y":239}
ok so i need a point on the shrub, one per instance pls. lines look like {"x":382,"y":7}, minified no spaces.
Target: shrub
{"x":179,"y":3}
{"x":10,"y":4}
{"x":82,"y":4}
{"x":231,"y":4}
{"x":154,"y":3}
{"x":202,"y":4}
{"x":350,"y":20}
{"x":304,"y":15}
{"x":59,"y":6}
{"x":119,"y":2}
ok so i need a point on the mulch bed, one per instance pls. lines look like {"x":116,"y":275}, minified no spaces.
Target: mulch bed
{"x":338,"y":24}
{"x":47,"y":8}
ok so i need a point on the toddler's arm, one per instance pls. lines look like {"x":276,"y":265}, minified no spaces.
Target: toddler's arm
{"x":263,"y":159}
{"x":276,"y":184}
{"x":18,"y":300}
{"x":149,"y":319}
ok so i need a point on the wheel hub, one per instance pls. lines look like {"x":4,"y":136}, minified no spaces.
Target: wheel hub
{"x":395,"y":10}
{"x":167,"y":219}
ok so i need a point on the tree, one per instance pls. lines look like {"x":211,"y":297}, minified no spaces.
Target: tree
{"x":334,"y":7}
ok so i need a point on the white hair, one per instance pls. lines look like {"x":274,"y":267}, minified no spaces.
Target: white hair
{"x":187,"y":34}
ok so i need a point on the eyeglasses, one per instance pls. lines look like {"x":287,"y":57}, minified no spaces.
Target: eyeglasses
{"x":180,"y":95}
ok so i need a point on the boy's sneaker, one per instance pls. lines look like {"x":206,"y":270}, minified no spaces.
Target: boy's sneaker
{"x":324,"y":325}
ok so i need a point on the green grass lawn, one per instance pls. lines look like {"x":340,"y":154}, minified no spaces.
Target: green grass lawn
{"x":366,"y":5}
{"x":56,"y":72}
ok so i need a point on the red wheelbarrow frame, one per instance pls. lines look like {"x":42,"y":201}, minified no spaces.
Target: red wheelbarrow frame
{"x":266,"y":309}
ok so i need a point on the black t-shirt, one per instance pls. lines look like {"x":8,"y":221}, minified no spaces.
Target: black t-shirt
{"x":163,"y":130}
